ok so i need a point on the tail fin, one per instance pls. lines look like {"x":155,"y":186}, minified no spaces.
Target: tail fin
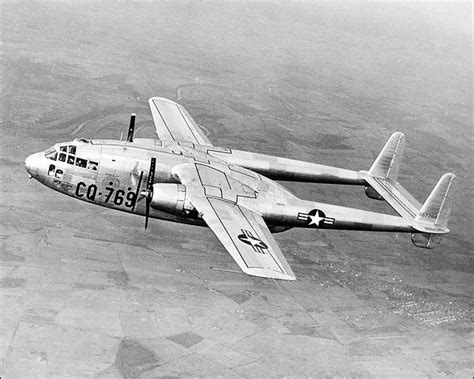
{"x":434,"y":214}
{"x":382,"y":179}
{"x":430,"y":220}
{"x":387,"y":164}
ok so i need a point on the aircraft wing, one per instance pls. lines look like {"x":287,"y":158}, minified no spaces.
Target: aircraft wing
{"x":240,"y":230}
{"x":173,"y":122}
{"x":245,"y":236}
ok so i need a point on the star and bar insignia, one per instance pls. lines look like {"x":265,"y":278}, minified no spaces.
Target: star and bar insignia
{"x":257,"y":244}
{"x":316,"y":218}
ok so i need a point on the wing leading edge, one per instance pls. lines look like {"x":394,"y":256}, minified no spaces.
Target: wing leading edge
{"x":174,"y":123}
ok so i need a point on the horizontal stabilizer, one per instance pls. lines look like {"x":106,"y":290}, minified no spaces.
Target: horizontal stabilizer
{"x":396,"y":195}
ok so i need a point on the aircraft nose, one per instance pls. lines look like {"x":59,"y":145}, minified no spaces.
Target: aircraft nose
{"x":32,"y":164}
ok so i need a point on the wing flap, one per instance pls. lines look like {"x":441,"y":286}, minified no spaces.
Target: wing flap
{"x":173,"y":122}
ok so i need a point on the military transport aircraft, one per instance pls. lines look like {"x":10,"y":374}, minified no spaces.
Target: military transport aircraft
{"x":182,"y":177}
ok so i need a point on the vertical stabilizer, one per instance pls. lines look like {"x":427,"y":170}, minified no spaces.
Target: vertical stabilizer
{"x":437,"y":207}
{"x":430,"y":220}
{"x":387,"y":164}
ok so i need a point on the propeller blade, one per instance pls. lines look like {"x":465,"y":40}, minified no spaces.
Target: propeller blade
{"x":149,"y":190}
{"x":151,"y":175}
{"x":138,"y":191}
{"x":147,"y":211}
{"x":131,"y":128}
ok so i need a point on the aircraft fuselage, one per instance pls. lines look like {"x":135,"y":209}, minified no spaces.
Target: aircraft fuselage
{"x":113,"y":174}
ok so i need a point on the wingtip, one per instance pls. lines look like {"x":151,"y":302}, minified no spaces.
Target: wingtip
{"x":289,"y":278}
{"x":398,"y":135}
{"x":449,"y":175}
{"x":162,"y":99}
{"x":270,"y":274}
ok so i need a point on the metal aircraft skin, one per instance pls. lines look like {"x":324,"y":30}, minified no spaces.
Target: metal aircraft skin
{"x":182,"y":177}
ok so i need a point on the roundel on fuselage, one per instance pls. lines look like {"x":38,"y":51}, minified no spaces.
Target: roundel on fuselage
{"x":111,"y":181}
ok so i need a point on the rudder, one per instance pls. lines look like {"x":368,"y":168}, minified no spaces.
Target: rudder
{"x":437,"y":207}
{"x":432,"y":219}
{"x":382,"y":178}
{"x":387,"y":164}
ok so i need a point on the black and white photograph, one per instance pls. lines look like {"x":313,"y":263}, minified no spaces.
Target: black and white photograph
{"x":236,"y":189}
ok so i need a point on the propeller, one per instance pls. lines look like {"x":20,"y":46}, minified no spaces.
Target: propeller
{"x":131,"y":128}
{"x":148,"y":192}
{"x":138,"y":190}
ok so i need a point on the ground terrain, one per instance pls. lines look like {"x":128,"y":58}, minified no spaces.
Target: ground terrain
{"x":86,"y":292}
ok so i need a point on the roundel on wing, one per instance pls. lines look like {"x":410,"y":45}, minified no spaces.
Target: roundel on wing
{"x":248,"y":238}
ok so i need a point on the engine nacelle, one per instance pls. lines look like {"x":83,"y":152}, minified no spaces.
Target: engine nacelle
{"x":373,"y":194}
{"x":171,"y":198}
{"x":426,"y":240}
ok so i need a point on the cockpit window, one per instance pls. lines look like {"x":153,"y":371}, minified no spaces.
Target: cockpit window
{"x":51,"y":154}
{"x":68,"y":154}
{"x":70,"y":159}
{"x":81,"y":162}
{"x":92,"y":165}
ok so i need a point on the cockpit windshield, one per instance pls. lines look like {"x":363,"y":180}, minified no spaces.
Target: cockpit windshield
{"x":51,"y":154}
{"x":67,"y":154}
